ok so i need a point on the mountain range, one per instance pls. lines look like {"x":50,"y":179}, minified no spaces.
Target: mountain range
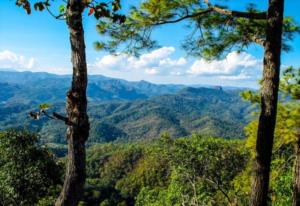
{"x":40,"y":87}
{"x":123,"y":110}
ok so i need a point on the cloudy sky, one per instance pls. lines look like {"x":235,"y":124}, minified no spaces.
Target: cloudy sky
{"x":38,"y":43}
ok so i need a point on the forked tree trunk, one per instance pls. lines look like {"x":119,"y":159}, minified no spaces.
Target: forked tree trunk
{"x":269,"y":97}
{"x":296,"y":178}
{"x":76,"y":107}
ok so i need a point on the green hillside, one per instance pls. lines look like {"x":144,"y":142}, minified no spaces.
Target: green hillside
{"x":212,"y":112}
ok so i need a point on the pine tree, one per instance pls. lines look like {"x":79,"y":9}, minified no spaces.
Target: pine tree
{"x":76,"y":106}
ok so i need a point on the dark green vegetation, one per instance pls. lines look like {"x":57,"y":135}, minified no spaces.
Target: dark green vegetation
{"x":28,"y":172}
{"x":209,"y":111}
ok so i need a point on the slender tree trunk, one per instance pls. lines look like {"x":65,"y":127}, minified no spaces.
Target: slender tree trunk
{"x":76,"y":107}
{"x":269,"y":97}
{"x":296,"y":180}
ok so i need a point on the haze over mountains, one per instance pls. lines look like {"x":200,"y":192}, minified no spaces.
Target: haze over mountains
{"x":123,"y":110}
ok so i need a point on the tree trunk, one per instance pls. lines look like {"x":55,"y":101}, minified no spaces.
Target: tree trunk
{"x":296,"y":178}
{"x":76,"y":108}
{"x":269,"y":97}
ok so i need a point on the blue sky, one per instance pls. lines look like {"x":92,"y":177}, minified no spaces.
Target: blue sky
{"x":40,"y":43}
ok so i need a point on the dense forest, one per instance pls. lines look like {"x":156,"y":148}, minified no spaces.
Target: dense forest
{"x":194,"y":170}
{"x":92,"y":140}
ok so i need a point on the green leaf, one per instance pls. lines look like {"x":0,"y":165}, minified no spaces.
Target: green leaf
{"x":44,"y":106}
{"x":99,"y":45}
{"x":62,"y":8}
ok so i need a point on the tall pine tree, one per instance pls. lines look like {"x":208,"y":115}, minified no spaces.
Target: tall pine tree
{"x":76,"y":104}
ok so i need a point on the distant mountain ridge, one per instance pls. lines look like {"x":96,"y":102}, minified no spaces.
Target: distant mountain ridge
{"x":99,"y":87}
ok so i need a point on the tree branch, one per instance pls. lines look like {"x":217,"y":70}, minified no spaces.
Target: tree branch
{"x":220,"y":189}
{"x":59,"y":17}
{"x":185,"y":17}
{"x":248,"y":15}
{"x":55,"y":116}
{"x":258,"y":40}
{"x":62,"y":118}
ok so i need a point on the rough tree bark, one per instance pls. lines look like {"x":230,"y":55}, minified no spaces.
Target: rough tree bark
{"x":296,"y":178}
{"x":76,"y":108}
{"x":269,"y":97}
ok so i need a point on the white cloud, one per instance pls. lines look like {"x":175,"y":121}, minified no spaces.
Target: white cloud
{"x":157,"y":62}
{"x":112,"y":62}
{"x":11,"y":60}
{"x":235,"y":66}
